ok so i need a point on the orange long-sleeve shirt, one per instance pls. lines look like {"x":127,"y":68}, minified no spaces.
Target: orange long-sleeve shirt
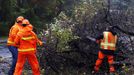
{"x":12,"y":34}
{"x":26,"y":40}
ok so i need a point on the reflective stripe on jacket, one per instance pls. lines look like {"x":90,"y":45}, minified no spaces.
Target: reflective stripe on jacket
{"x":109,"y":41}
{"x":28,"y":38}
{"x":26,"y":50}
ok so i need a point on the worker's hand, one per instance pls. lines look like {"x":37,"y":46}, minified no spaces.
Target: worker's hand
{"x":40,"y":43}
{"x":16,"y":45}
{"x":98,"y":41}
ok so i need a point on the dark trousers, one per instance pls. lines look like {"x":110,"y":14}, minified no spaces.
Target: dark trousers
{"x":14,"y":53}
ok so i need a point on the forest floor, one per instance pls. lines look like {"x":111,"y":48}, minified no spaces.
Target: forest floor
{"x":6,"y":60}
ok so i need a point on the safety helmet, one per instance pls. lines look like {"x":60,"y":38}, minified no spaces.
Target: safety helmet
{"x":25,"y":22}
{"x":109,"y":28}
{"x":20,"y":19}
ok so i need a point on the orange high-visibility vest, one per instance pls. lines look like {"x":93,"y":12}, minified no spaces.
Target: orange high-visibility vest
{"x":109,"y":41}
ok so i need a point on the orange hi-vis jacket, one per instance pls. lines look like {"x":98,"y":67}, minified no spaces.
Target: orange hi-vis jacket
{"x":27,"y":40}
{"x":12,"y":34}
{"x":109,"y":41}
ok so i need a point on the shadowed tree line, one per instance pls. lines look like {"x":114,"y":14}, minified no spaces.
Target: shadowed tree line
{"x":39,"y":12}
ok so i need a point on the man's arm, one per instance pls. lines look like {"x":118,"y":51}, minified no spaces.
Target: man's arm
{"x":17,"y":39}
{"x":38,"y":41}
{"x":115,"y":38}
{"x":99,"y":38}
{"x":14,"y":31}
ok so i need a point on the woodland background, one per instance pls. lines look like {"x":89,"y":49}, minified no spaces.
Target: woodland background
{"x":67,"y":50}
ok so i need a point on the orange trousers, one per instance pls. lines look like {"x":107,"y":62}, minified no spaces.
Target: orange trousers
{"x":99,"y":61}
{"x":32,"y":59}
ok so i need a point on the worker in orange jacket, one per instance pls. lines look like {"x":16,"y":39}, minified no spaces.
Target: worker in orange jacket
{"x":10,"y":42}
{"x":27,"y":40}
{"x":107,"y":43}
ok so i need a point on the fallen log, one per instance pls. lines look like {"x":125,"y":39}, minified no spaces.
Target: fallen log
{"x":3,"y":41}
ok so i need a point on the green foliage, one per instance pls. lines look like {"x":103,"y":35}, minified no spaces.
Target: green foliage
{"x":63,"y":35}
{"x":62,"y":29}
